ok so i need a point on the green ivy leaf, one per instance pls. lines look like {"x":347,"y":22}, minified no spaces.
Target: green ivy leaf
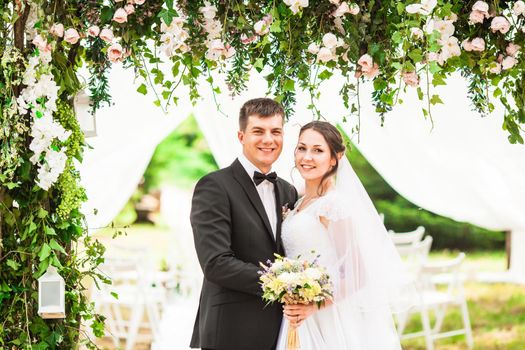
{"x":434,"y":67}
{"x":438,"y":80}
{"x":275,"y":27}
{"x":289,"y":85}
{"x":416,"y":55}
{"x":420,"y":94}
{"x":13,"y":264}
{"x":11,"y":185}
{"x":56,"y":262}
{"x":42,"y":213}
{"x":45,"y":251}
{"x":259,"y":64}
{"x":435,"y":100}
{"x":400,"y":8}
{"x":49,"y":231}
{"x":142,"y":89}
{"x":326,"y":74}
{"x":397,"y":37}
{"x":106,"y":14}
{"x":55,"y":246}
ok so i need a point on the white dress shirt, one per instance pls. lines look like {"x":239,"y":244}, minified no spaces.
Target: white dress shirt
{"x":266,"y":191}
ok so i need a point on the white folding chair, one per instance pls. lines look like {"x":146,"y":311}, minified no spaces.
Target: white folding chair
{"x":137,"y":291}
{"x":439,"y":298}
{"x":415,"y":263}
{"x":406,"y":242}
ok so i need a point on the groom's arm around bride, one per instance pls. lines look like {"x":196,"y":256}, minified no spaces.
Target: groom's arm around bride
{"x":236,"y":223}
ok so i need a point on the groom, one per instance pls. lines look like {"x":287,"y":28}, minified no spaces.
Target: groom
{"x":236,"y":218}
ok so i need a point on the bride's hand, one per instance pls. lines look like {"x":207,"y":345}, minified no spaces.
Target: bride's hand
{"x":296,"y":314}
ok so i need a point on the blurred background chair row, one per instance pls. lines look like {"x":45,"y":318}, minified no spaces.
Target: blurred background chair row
{"x":135,"y":301}
{"x":439,"y":285}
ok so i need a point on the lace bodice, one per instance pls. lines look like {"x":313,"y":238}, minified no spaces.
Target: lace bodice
{"x":303,"y":233}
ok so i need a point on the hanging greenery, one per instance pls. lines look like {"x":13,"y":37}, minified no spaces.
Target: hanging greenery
{"x":297,"y":44}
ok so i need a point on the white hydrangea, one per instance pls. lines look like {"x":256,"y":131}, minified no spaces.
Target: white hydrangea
{"x":39,"y":97}
{"x":49,"y":171}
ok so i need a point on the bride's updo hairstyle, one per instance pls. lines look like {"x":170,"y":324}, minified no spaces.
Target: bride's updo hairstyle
{"x":332,"y":137}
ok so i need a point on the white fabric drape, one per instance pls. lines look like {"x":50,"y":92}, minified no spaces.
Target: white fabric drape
{"x":127,"y":134}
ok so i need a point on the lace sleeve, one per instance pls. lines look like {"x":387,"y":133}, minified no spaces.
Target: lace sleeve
{"x":332,"y":208}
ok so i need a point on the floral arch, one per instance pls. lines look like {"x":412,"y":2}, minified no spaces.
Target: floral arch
{"x":398,"y":45}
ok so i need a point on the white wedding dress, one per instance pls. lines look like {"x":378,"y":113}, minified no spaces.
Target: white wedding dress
{"x":342,"y":325}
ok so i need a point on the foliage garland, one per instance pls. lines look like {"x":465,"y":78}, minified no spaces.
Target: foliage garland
{"x":299,"y":44}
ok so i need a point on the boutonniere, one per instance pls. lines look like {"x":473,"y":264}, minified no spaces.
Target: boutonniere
{"x":286,"y":209}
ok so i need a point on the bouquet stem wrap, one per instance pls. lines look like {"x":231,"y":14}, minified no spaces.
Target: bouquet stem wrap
{"x":292,"y":342}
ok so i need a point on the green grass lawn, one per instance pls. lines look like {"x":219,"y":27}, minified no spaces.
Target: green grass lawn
{"x":497,"y":311}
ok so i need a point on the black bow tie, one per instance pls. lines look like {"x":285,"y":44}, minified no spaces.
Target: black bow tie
{"x":260,"y":177}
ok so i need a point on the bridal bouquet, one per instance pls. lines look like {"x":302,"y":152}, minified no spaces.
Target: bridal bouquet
{"x":294,"y":281}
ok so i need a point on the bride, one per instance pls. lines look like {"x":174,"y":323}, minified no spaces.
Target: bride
{"x":336,"y":223}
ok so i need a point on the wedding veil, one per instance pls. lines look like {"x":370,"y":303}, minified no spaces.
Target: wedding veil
{"x":371,"y":276}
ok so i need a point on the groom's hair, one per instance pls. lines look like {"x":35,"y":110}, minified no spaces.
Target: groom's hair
{"x":259,"y":107}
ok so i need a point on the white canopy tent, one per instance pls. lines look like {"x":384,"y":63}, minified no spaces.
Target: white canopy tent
{"x":464,"y":169}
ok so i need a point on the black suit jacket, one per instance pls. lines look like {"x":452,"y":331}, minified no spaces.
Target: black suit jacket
{"x":232,"y":235}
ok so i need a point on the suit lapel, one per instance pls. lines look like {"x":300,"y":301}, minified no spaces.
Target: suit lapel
{"x":278,"y":207}
{"x":248,"y":186}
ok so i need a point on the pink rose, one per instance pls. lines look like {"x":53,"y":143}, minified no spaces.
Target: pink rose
{"x":495,"y":68}
{"x":261,"y":27}
{"x":41,"y":43}
{"x":467,"y":45}
{"x":247,"y":40}
{"x":366,"y":62}
{"x":476,"y":17}
{"x":71,"y":36}
{"x":325,"y":55}
{"x":107,"y":35}
{"x":57,"y":29}
{"x":417,"y":33}
{"x":508,"y":62}
{"x":115,"y":53}
{"x":139,"y":2}
{"x":229,"y":52}
{"x":478,"y":44}
{"x":120,"y":16}
{"x":410,"y":78}
{"x":432,"y":57}
{"x":354,"y":9}
{"x":313,"y":48}
{"x":500,"y":24}
{"x":481,"y":6}
{"x":499,"y":58}
{"x":93,"y":31}
{"x":129,"y":8}
{"x":512,"y":49}
{"x":330,"y":40}
{"x":372,"y":73}
{"x":519,"y":8}
{"x":341,"y":10}
{"x":368,"y":68}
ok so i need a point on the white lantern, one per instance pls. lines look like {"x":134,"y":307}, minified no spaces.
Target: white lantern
{"x":87,"y":121}
{"x":51,"y":290}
